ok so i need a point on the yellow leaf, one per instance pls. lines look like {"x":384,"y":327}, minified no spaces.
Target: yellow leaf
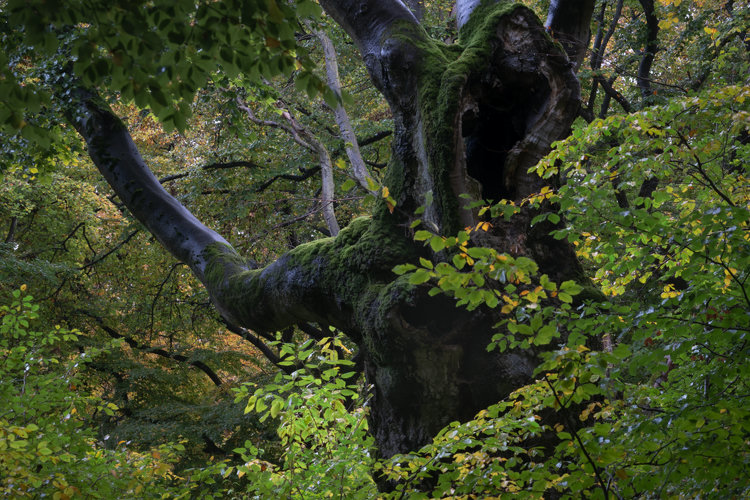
{"x":386,"y":192}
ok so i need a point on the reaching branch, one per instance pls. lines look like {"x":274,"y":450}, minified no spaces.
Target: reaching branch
{"x":156,"y":350}
{"x":117,"y":158}
{"x":211,"y":166}
{"x":359,"y":168}
{"x":267,"y":299}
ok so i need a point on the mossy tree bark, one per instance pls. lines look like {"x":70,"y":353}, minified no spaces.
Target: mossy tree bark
{"x":468,"y":118}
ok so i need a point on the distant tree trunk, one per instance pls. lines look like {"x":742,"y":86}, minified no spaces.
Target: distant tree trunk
{"x":468,"y":118}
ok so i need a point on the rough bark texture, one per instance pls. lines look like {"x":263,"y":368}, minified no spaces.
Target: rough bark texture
{"x":468,"y":118}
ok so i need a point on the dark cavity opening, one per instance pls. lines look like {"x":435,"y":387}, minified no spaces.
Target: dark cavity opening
{"x":505,"y":106}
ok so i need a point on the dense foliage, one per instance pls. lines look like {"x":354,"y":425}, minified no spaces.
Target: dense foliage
{"x":119,"y":380}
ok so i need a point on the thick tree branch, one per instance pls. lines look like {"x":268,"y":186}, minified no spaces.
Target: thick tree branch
{"x":117,"y":158}
{"x":371,"y":24}
{"x":286,"y":292}
{"x":569,"y":21}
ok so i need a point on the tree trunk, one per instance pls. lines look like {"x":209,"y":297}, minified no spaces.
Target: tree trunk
{"x":469,"y":119}
{"x":473,"y":119}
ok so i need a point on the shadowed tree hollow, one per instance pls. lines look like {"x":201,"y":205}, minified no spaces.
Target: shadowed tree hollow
{"x":470,"y":119}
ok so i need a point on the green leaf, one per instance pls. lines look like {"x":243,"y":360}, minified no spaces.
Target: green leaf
{"x":419,"y":276}
{"x":422,"y":235}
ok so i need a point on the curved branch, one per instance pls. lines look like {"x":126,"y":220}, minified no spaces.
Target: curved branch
{"x":372,"y":25}
{"x":288,"y":291}
{"x":156,"y":350}
{"x":117,"y":158}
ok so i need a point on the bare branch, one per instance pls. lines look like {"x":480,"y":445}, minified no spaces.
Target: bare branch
{"x":155,"y":350}
{"x":211,"y":166}
{"x":306,"y":139}
{"x":359,"y":169}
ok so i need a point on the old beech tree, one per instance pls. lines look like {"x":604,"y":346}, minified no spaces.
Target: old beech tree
{"x":469,"y":118}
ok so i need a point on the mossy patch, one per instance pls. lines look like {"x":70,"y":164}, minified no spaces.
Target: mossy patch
{"x":328,"y":279}
{"x":444,"y":72}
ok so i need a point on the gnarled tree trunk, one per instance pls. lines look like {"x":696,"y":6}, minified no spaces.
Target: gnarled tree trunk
{"x":469,"y":118}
